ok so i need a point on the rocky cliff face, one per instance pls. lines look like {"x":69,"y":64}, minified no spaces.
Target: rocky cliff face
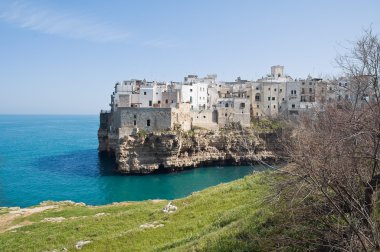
{"x":171,"y":151}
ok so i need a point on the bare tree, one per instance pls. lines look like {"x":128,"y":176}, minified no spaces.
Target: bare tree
{"x":335,"y":154}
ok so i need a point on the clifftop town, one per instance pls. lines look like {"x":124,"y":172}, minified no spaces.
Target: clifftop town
{"x":139,"y":107}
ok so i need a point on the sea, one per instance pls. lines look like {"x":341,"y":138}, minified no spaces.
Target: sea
{"x":55,"y":157}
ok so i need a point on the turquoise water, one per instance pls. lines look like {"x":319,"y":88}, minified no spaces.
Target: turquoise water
{"x":56,"y":158}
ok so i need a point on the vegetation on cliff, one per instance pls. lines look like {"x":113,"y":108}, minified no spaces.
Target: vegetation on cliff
{"x":232,"y":216}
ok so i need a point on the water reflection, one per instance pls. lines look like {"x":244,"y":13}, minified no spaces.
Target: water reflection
{"x":79,"y":163}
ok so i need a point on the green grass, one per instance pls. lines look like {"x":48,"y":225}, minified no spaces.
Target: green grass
{"x":227,"y":217}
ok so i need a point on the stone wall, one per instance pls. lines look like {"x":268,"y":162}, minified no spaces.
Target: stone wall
{"x":207,"y":119}
{"x":147,"y":119}
{"x":124,"y":100}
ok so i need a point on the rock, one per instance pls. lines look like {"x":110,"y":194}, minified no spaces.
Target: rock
{"x":54,"y":219}
{"x":154,"y":225}
{"x":169,"y":208}
{"x":14,"y":208}
{"x":175,"y":151}
{"x":101,"y":214}
{"x":80,"y":244}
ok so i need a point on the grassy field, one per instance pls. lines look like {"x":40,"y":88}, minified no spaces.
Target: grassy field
{"x":227,"y":217}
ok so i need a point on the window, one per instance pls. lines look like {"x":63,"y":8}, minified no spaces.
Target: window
{"x":274,"y":106}
{"x":310,"y":90}
{"x":134,"y":123}
{"x":295,"y":91}
{"x":273,"y":98}
{"x":268,"y":98}
{"x":144,"y":93}
{"x":150,"y":103}
{"x":283,"y":99}
{"x":204,"y":116}
{"x":275,"y":90}
{"x":159,"y":102}
{"x":191,"y":99}
{"x":268,"y":106}
{"x":225,"y":114}
{"x":303,"y":83}
{"x":302,"y":98}
{"x":242,"y":105}
{"x":258,"y":106}
{"x":268,"y":89}
{"x":148,"y":123}
{"x":280,"y":90}
{"x":166,"y":101}
{"x":191,"y":90}
{"x":172,"y":101}
{"x":257,"y":88}
{"x":293,"y":105}
{"x":156,"y":93}
{"x":226,"y":105}
{"x":257,"y":98}
{"x":310,"y":83}
{"x":303,"y":91}
{"x":134,"y":116}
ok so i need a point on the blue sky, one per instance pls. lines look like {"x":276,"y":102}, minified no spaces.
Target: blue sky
{"x":63,"y":57}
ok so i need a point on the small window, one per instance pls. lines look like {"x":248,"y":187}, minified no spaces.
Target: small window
{"x":144,"y":93}
{"x":134,"y":116}
{"x":134,"y":123}
{"x":159,"y":102}
{"x":293,"y":105}
{"x":283,"y":99}
{"x":156,"y":93}
{"x":166,"y":101}
{"x":268,"y":98}
{"x":204,"y":116}
{"x":310,"y":90}
{"x":191,"y":90}
{"x":275,"y":90}
{"x":280,"y":90}
{"x":303,"y":83}
{"x":172,"y":101}
{"x":242,"y":105}
{"x":257,"y":88}
{"x":274,"y":106}
{"x":225,"y":114}
{"x":150,"y":103}
{"x":268,"y":89}
{"x":258,"y":106}
{"x":148,"y":123}
{"x":268,"y":106}
{"x":273,"y":98}
{"x":310,"y":83}
{"x":226,"y":105}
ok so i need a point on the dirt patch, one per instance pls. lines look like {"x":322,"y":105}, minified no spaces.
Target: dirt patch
{"x":7,"y":219}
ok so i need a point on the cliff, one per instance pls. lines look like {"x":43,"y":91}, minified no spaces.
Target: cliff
{"x":172,"y":151}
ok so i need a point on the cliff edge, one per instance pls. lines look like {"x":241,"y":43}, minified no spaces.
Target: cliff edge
{"x":170,"y":151}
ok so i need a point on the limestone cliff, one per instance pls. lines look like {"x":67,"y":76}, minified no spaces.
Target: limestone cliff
{"x":171,"y":151}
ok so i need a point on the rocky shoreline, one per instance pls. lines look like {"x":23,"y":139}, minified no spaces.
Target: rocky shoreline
{"x":171,"y":151}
